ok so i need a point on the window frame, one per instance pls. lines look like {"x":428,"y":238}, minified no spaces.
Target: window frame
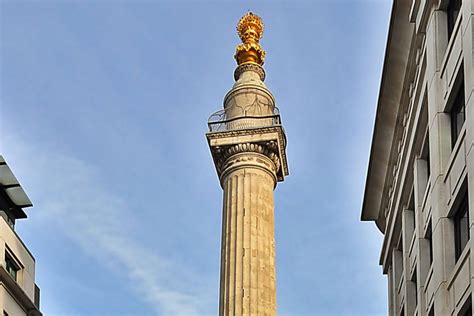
{"x":12,"y":264}
{"x":458,"y":109}
{"x":11,"y":267}
{"x":460,"y":214}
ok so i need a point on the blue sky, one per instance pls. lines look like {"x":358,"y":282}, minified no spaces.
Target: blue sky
{"x":103,"y":114}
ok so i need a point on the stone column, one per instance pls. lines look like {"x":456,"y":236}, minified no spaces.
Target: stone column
{"x":248,"y":146}
{"x":248,"y":246}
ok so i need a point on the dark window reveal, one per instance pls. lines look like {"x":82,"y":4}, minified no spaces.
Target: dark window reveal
{"x":11,"y":266}
{"x":458,"y":115}
{"x":429,"y":234}
{"x":453,"y":9}
{"x":461,"y":226}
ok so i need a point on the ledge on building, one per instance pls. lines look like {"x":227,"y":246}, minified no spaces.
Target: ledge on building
{"x":10,"y":285}
{"x":12,"y":192}
{"x":396,"y":59}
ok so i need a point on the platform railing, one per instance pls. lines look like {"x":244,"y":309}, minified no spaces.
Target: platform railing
{"x":219,"y":121}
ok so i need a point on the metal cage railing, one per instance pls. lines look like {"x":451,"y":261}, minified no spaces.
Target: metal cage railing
{"x":219,"y":121}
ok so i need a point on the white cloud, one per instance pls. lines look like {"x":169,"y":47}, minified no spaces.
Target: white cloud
{"x":102,"y":224}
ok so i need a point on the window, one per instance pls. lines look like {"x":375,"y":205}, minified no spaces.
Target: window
{"x":458,"y":115}
{"x":429,"y":237}
{"x":424,"y":167}
{"x":431,"y":313}
{"x":425,"y":155}
{"x":410,"y":218}
{"x":461,"y":226}
{"x":454,"y":6}
{"x":466,"y":310}
{"x":11,"y":266}
{"x":413,"y":279}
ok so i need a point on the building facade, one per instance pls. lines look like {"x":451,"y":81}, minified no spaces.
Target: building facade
{"x":19,"y":295}
{"x":420,"y":182}
{"x":247,"y":143}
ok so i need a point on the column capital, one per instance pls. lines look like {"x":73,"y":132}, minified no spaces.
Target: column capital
{"x":268,"y":142}
{"x":249,"y":155}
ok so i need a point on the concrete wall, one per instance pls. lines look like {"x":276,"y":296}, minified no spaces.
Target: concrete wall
{"x":10,"y":242}
{"x":8,"y":303}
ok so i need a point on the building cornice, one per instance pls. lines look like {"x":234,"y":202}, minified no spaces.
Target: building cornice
{"x":397,"y":55}
{"x":12,"y":192}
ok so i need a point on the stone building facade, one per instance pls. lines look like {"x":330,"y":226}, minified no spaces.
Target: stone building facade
{"x":420,"y":182}
{"x":19,"y":295}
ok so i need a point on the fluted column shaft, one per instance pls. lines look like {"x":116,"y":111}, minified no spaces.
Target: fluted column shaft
{"x":248,"y":244}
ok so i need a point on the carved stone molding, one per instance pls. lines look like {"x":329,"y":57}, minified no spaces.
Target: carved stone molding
{"x":220,"y":141}
{"x":230,"y":155}
{"x":249,"y":67}
{"x":252,"y":160}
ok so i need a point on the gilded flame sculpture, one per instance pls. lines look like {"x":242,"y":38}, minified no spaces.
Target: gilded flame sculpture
{"x":250,"y":30}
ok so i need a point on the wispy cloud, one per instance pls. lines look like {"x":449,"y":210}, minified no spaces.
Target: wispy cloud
{"x":102,"y":224}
